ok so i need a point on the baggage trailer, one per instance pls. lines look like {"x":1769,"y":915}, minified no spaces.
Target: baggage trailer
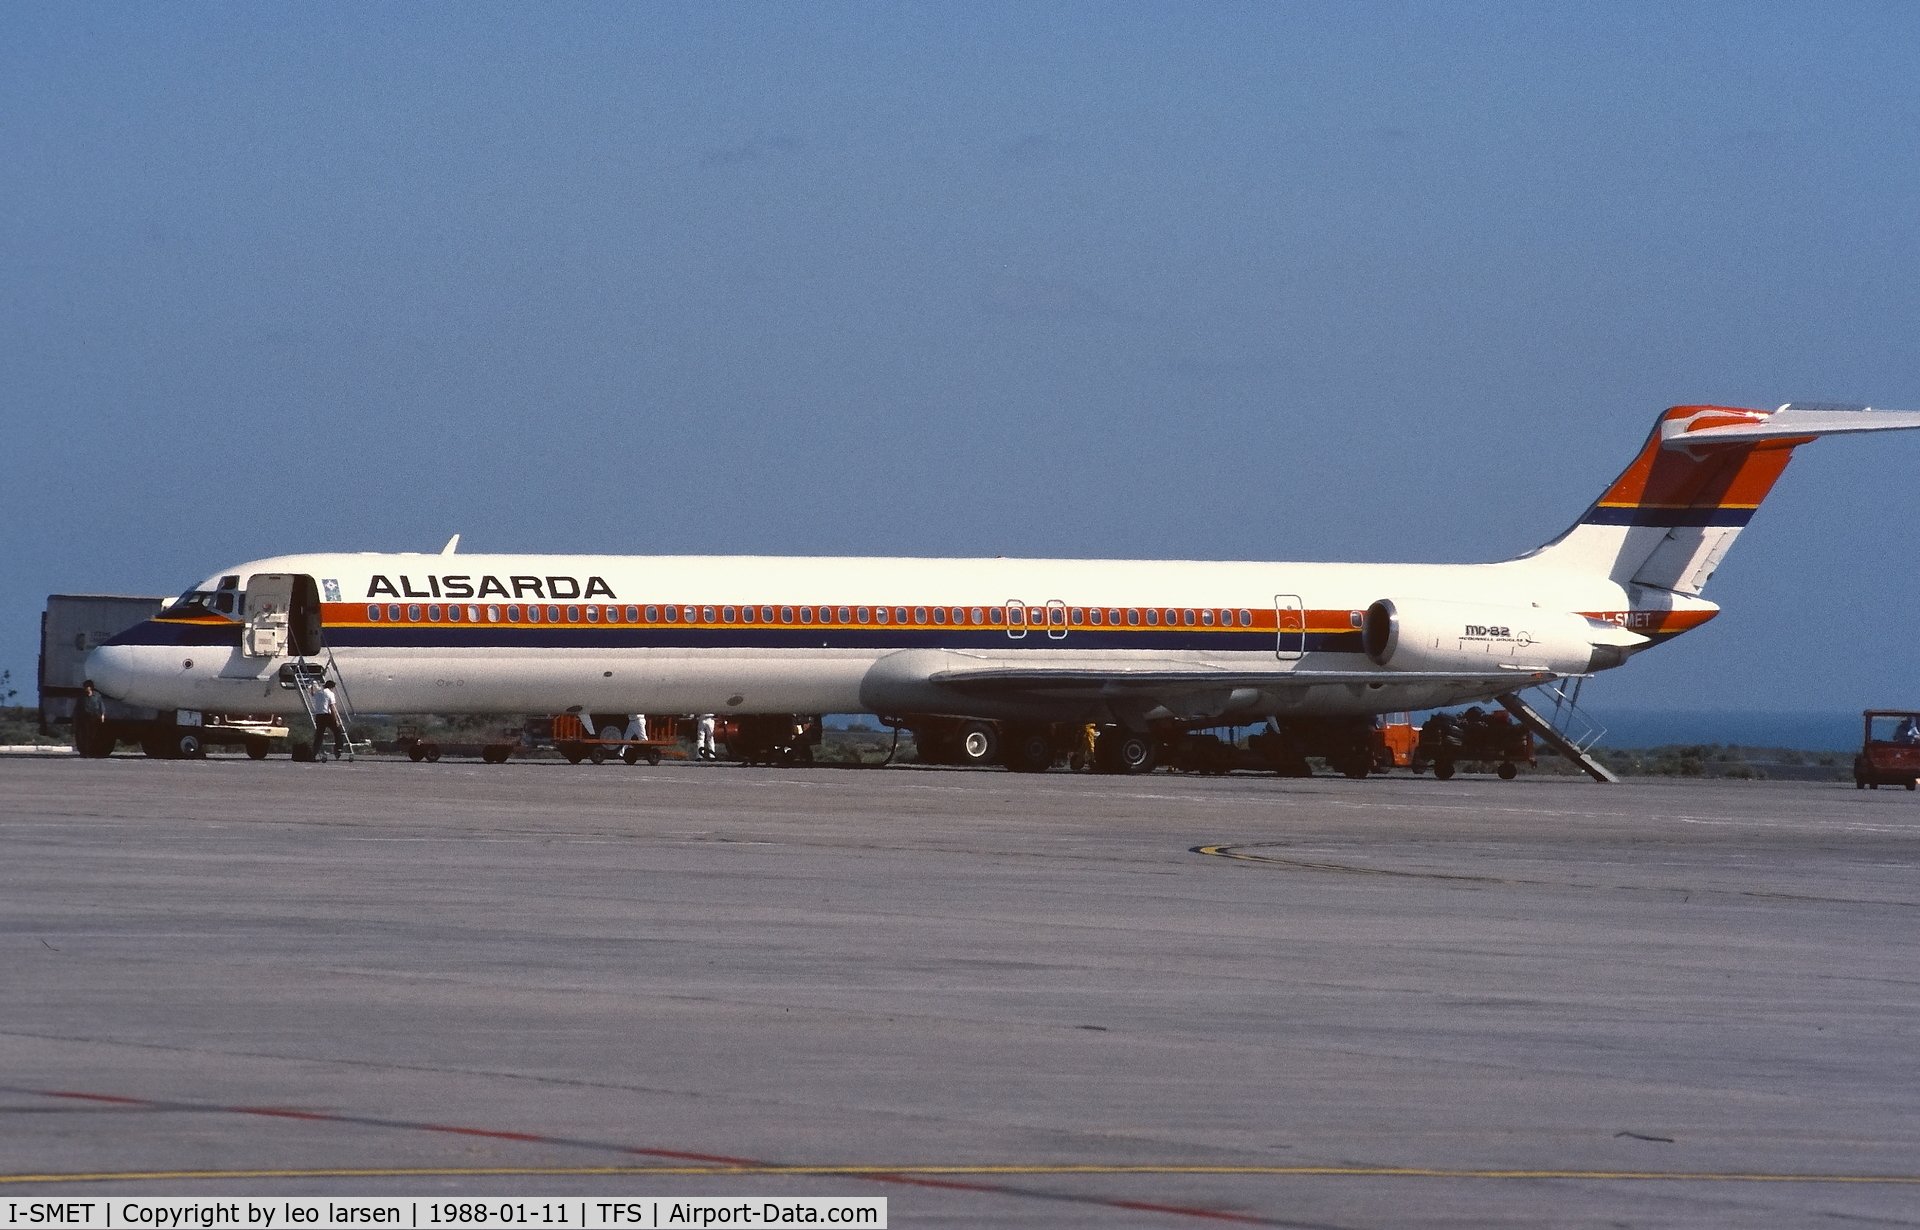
{"x":630,"y":736}
{"x":1889,"y":749}
{"x":1445,"y":740}
{"x":73,"y":626}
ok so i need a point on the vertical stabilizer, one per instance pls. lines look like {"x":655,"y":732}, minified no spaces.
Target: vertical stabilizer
{"x":1669,"y":519}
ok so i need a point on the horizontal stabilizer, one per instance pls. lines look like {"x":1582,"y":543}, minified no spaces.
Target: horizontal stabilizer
{"x":1790,"y":422}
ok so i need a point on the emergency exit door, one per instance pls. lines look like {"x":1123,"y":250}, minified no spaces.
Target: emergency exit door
{"x":1290,"y":624}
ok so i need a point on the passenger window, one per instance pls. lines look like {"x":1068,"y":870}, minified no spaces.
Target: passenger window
{"x":1206,"y":618}
{"x":413,"y":614}
{"x":806,"y":614}
{"x":373,"y":613}
{"x":633,"y":614}
{"x":879,"y":614}
{"x":746,"y":614}
{"x":995,"y":615}
{"x":593,"y":614}
{"x":766,"y":614}
{"x":865,"y":615}
{"x":1246,"y":619}
{"x":493,"y":614}
{"x":1153,"y":616}
{"x":846,"y":616}
{"x":1133,"y":616}
{"x":706,"y":613}
{"x":1093,"y":616}
{"x":1186,"y":617}
{"x":899,"y":614}
{"x":433,"y":614}
{"x":979,"y":615}
{"x":919,"y":614}
{"x":672,"y":614}
{"x":513,"y":614}
{"x":553,"y":614}
{"x":726,"y":614}
{"x":786,"y":614}
{"x":939,"y":614}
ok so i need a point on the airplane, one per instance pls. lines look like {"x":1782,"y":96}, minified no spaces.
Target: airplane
{"x":1023,"y":650}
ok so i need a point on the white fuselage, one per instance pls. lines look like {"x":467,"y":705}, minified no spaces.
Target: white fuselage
{"x":544,"y":633}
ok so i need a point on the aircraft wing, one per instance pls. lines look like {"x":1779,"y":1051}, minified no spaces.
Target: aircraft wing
{"x":1015,"y":680}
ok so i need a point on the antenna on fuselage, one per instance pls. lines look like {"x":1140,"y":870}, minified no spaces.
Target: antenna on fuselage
{"x":451,"y":544}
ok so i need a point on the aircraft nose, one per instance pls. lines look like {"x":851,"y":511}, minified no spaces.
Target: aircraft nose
{"x":114,"y":669}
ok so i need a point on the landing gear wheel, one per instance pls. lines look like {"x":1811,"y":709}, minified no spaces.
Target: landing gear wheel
{"x":257,"y":749}
{"x":979,"y":744}
{"x":1507,"y":771}
{"x":1443,"y":770}
{"x":1124,"y":751}
{"x":598,"y":755}
{"x":1029,"y":750}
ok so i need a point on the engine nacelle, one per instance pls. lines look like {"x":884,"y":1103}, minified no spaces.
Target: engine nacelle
{"x":1427,"y":634}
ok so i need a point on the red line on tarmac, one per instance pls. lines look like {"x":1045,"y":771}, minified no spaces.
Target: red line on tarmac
{"x":995,"y":1189}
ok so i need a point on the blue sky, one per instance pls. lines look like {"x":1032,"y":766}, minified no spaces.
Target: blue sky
{"x":1196,"y":281}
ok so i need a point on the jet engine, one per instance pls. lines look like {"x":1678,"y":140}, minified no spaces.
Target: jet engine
{"x":1428,"y":634}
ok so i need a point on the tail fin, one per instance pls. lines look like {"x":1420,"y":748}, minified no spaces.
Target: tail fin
{"x":1669,"y":519}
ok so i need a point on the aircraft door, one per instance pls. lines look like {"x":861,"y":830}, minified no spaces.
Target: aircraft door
{"x":1057,"y":618}
{"x":283,"y":616}
{"x":1016,"y":619}
{"x":1290,"y":621}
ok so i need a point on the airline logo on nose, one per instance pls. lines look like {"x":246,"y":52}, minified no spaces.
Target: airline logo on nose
{"x":464,"y":586}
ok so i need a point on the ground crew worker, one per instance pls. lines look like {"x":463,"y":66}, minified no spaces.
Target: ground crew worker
{"x":326,"y":716}
{"x":90,"y":722}
{"x":704,"y":748}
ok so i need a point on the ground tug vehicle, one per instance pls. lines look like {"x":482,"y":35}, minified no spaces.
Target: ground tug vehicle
{"x":1889,"y":749}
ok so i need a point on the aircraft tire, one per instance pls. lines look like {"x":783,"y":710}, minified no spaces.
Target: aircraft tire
{"x":978,"y":745}
{"x":1028,"y":750}
{"x":1122,"y":751}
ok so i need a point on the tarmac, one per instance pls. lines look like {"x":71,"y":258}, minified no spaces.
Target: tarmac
{"x":997,"y":999}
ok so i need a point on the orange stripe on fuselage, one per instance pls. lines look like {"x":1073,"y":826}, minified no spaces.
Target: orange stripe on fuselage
{"x":354,"y":614}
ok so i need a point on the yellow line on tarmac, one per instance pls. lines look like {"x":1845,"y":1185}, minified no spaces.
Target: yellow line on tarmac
{"x":1421,"y":1172}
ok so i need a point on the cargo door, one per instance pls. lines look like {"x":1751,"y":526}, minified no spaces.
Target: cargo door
{"x":1290,"y":624}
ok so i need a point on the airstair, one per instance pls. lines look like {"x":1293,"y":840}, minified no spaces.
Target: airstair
{"x":1568,"y":731}
{"x":307,"y":674}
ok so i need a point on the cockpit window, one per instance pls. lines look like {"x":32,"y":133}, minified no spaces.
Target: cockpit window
{"x":225,"y":601}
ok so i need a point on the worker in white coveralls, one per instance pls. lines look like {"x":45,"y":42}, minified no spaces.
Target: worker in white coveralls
{"x":704,"y":748}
